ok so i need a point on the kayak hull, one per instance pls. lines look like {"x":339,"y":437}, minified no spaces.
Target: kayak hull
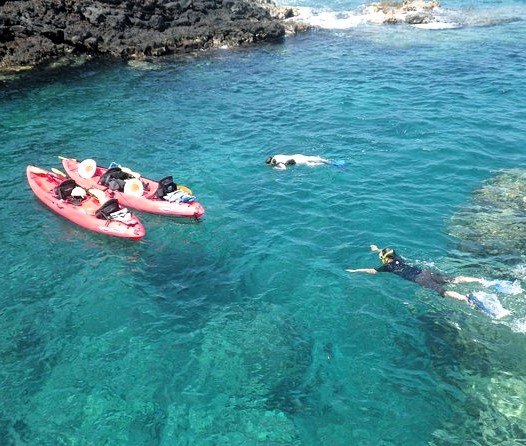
{"x":43,"y":185}
{"x":147,"y":202}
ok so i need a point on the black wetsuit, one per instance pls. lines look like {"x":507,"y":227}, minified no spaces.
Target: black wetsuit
{"x":427,"y":279}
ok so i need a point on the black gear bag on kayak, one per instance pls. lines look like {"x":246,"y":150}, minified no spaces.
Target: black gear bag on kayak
{"x":166,"y":185}
{"x":114,"y":178}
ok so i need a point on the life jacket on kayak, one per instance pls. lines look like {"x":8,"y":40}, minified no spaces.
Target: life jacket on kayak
{"x":166,"y":186}
{"x":114,"y":178}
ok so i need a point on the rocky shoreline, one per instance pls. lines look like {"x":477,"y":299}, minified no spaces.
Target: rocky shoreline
{"x":38,"y":32}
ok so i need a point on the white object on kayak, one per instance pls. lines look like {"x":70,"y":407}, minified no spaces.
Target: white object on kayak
{"x":78,"y":192}
{"x":87,"y":168}
{"x":133,"y":187}
{"x":99,"y":195}
{"x":130,"y":172}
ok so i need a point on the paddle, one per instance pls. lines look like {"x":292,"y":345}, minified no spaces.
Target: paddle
{"x":40,"y":171}
{"x":58,"y":172}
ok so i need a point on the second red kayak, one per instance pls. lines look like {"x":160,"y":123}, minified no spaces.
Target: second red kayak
{"x":135,"y":191}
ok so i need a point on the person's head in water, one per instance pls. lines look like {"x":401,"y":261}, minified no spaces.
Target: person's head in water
{"x":387,"y":254}
{"x":270,"y":160}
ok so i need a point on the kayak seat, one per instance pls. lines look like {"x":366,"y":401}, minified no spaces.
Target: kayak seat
{"x":114,"y":178}
{"x":64,"y":189}
{"x":166,"y":186}
{"x":108,"y":208}
{"x":63,"y":192}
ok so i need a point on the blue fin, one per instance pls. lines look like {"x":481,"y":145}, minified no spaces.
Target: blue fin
{"x":488,"y":303}
{"x":478,"y":303}
{"x":507,"y":287}
{"x":340,"y":164}
{"x":504,"y":286}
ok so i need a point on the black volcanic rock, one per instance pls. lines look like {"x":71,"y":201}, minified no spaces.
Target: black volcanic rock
{"x":33,"y":32}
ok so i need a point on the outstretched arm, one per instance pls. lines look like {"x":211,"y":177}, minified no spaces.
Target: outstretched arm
{"x":362,"y":270}
{"x":374,"y":248}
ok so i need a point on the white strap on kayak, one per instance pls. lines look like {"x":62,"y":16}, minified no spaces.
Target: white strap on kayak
{"x":123,"y":215}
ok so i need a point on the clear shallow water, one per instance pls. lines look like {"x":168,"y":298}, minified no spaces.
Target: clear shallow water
{"x":245,"y":329}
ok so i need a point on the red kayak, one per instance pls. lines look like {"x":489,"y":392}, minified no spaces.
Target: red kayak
{"x":72,"y":202}
{"x":135,"y":191}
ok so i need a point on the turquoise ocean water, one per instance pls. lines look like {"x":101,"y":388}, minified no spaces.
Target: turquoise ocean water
{"x":245,"y":329}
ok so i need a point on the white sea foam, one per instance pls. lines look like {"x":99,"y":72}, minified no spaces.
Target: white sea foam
{"x":340,"y":20}
{"x":519,"y":325}
{"x":438,"y":25}
{"x":520,"y":272}
{"x":329,"y":19}
{"x":443,"y":19}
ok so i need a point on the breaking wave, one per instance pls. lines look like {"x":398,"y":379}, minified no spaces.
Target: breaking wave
{"x":440,"y":18}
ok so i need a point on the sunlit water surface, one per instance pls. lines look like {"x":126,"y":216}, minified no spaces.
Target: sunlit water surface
{"x":245,"y":329}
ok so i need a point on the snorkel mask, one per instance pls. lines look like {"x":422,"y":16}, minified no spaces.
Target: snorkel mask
{"x":386,"y":254}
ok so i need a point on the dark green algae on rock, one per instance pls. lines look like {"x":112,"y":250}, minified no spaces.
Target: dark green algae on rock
{"x":493,"y":224}
{"x":36,"y":32}
{"x":230,"y":398}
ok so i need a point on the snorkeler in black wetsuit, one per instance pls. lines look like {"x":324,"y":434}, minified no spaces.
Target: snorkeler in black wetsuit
{"x":427,"y":279}
{"x":392,"y":263}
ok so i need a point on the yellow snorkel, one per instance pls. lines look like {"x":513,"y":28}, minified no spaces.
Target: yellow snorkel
{"x":386,"y":254}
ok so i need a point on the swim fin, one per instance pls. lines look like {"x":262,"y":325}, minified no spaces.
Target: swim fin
{"x":337,"y":163}
{"x":489,"y":304}
{"x":504,"y":286}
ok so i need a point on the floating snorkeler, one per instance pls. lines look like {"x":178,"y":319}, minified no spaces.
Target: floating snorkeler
{"x":393,"y":263}
{"x":282,"y":161}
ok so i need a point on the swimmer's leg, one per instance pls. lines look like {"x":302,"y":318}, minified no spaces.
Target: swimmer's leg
{"x":466,"y":279}
{"x":455,"y":295}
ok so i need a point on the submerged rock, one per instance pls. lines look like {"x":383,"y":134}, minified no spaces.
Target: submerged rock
{"x":33,"y":32}
{"x":254,"y":358}
{"x":494,"y":223}
{"x":245,"y":358}
{"x":227,"y":425}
